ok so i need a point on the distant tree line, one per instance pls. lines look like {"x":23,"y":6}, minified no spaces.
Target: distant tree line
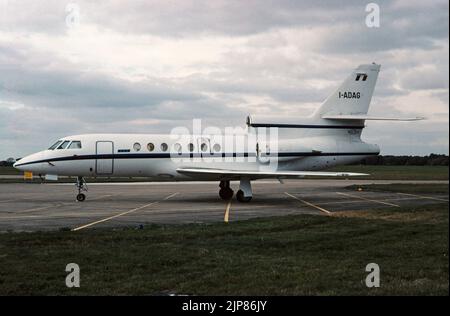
{"x":430,"y":160}
{"x":7,"y":163}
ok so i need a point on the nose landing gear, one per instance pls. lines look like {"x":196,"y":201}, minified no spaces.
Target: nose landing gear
{"x":82,"y":187}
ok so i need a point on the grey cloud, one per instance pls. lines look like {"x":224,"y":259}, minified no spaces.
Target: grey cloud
{"x":181,"y":18}
{"x":46,"y":16}
{"x":424,"y":137}
{"x":425,"y":77}
{"x":442,"y":95}
{"x":50,"y":88}
{"x":276,"y":88}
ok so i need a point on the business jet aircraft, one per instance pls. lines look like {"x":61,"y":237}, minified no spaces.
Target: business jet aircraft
{"x":330,"y":137}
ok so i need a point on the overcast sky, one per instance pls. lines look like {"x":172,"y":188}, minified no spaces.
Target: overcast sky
{"x":149,"y":66}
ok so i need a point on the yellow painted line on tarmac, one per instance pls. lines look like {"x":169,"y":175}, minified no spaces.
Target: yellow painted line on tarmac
{"x":123,"y":213}
{"x":412,"y":198}
{"x":227,"y":212}
{"x":36,"y":209}
{"x":58,"y":205}
{"x":308,"y":203}
{"x":4,"y":201}
{"x":369,"y":200}
{"x":424,"y":197}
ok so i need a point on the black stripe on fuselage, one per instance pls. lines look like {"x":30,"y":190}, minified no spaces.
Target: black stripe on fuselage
{"x":193,"y":155}
{"x":307,"y":126}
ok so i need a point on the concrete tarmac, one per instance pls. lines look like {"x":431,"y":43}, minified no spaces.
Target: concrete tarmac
{"x":38,"y":207}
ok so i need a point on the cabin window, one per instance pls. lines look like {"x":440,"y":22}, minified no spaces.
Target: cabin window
{"x":216,"y":148}
{"x":177,"y":148}
{"x":137,"y":147}
{"x":55,"y":145}
{"x":191,"y":147}
{"x":75,"y":145}
{"x":164,"y":147}
{"x":64,"y":144}
{"x":150,"y":146}
{"x":204,"y":147}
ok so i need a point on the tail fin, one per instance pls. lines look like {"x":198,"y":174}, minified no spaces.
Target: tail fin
{"x":354,"y":94}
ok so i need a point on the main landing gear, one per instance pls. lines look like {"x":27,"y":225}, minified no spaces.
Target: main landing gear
{"x":82,"y":187}
{"x":225,"y":193}
{"x":243,"y":195}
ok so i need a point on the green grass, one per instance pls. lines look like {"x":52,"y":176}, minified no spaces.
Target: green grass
{"x":9,"y":171}
{"x":441,"y":188}
{"x":398,"y":172}
{"x":291,"y":255}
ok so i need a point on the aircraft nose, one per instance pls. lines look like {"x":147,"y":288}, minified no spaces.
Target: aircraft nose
{"x":26,"y":163}
{"x":18,"y":164}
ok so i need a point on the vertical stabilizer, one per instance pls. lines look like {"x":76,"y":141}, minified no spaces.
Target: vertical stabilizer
{"x":354,"y":94}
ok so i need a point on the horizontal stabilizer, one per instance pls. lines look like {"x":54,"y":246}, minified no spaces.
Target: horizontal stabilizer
{"x":368,"y":117}
{"x":226,"y":173}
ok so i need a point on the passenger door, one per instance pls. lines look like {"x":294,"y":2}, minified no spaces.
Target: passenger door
{"x":104,"y":163}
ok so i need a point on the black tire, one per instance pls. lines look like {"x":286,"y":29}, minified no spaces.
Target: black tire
{"x":226,"y":193}
{"x":241,"y":198}
{"x":81,"y":197}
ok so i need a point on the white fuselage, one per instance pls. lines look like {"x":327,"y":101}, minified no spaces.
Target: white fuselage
{"x":159,"y":156}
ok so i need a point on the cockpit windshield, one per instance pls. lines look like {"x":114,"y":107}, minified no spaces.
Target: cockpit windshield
{"x":55,"y":145}
{"x":64,"y":144}
{"x":75,"y":145}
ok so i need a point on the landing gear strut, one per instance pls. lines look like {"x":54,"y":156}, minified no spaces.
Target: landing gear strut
{"x":241,"y":198}
{"x":225,"y":193}
{"x":82,"y":187}
{"x":245,"y":191}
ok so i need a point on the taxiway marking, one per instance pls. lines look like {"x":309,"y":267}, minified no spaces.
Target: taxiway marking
{"x":308,"y":203}
{"x":124,"y":213}
{"x":424,"y":197}
{"x":3,"y":201}
{"x":58,"y":205}
{"x":366,"y":199}
{"x":412,"y":198}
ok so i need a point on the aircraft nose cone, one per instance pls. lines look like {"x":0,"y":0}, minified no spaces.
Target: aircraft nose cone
{"x":23,"y":164}
{"x":17,"y":164}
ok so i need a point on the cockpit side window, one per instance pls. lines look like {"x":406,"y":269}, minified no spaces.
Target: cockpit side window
{"x":75,"y":145}
{"x":55,"y":145}
{"x":64,"y":144}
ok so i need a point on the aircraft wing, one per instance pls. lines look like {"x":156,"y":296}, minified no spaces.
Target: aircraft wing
{"x":236,"y":174}
{"x":370,"y":118}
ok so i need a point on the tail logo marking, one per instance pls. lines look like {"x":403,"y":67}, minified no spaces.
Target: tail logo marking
{"x":359,"y":75}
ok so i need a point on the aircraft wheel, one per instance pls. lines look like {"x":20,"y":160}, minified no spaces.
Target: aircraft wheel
{"x":241,"y":198}
{"x":226,"y":193}
{"x":81,"y":197}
